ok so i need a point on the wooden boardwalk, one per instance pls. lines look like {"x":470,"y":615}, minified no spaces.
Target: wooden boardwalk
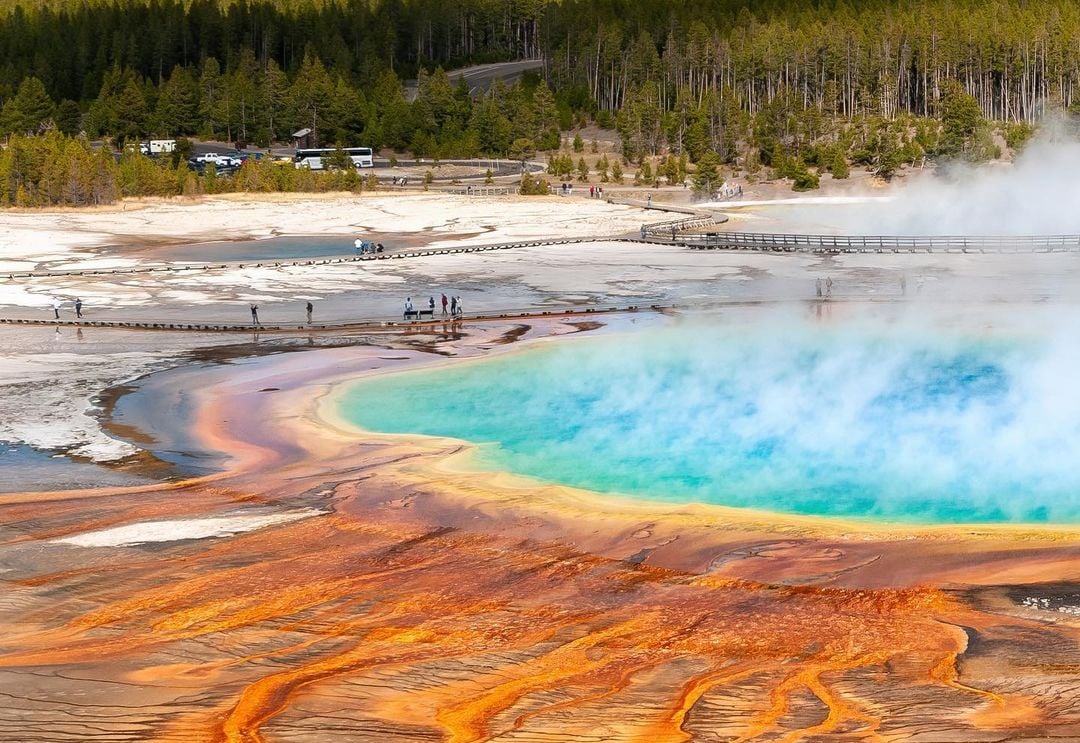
{"x":359,"y":324}
{"x":833,"y":244}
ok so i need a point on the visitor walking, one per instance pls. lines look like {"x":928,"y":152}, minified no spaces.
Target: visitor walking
{"x":828,"y":287}
{"x":310,"y":308}
{"x":444,"y":302}
{"x":255,"y":315}
{"x":56,"y":307}
{"x":78,"y":308}
{"x":817,"y":287}
{"x":453,"y":306}
{"x":460,"y":309}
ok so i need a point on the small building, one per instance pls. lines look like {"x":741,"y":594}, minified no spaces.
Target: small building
{"x":303,"y":139}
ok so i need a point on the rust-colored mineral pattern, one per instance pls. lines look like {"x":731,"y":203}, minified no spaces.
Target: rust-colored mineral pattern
{"x":387,"y":596}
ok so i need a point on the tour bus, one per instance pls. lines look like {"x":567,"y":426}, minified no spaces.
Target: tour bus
{"x":361,"y":157}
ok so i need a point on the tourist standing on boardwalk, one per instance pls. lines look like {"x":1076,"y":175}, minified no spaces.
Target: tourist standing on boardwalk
{"x":431,"y":305}
{"x":78,"y":307}
{"x":310,"y":307}
{"x":255,"y":315}
{"x":408,"y":308}
{"x":828,"y":287}
{"x":453,"y":306}
{"x":444,"y":301}
{"x":817,"y":286}
{"x":56,"y":307}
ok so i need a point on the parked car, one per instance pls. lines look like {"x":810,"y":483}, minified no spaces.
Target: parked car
{"x":219,"y":159}
{"x":221,"y":168}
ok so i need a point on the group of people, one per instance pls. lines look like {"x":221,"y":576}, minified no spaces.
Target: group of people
{"x":824,"y":288}
{"x":308,"y":308}
{"x":367,"y":246}
{"x":57,"y":304}
{"x":401,"y":181}
{"x":451,"y":307}
{"x":729,"y":192}
{"x":567,"y":189}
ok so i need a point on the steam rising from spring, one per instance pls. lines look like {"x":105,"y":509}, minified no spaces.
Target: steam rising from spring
{"x":1038,"y":194}
{"x":860,"y":419}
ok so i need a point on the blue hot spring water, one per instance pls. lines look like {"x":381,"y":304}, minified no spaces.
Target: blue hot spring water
{"x":881,"y":424}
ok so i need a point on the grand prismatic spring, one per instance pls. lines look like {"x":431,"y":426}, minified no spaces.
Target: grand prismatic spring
{"x":740,"y":512}
{"x":842,"y":419}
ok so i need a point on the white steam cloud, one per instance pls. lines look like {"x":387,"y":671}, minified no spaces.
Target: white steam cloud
{"x":1038,"y":194}
{"x":893,"y":419}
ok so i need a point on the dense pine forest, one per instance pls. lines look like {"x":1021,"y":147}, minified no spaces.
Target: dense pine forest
{"x":798,"y":87}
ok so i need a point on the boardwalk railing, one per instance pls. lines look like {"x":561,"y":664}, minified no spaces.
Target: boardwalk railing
{"x":481,"y":190}
{"x":788,"y":243}
{"x":671,"y":229}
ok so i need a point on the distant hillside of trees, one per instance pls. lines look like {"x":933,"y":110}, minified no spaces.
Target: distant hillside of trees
{"x":797,"y":86}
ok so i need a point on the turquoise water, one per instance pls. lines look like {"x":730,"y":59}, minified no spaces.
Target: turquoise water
{"x":897,"y":425}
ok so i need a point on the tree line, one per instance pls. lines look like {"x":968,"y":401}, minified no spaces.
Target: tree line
{"x":54,"y":169}
{"x":798,"y":87}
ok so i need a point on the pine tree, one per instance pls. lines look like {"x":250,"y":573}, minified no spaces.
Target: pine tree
{"x":68,"y":117}
{"x":707,"y":178}
{"x":961,"y":122}
{"x":29,"y":111}
{"x":616,"y":172}
{"x":310,"y":98}
{"x":178,"y":105}
{"x":131,"y":112}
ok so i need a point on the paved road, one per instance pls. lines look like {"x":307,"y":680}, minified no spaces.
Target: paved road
{"x":481,"y":77}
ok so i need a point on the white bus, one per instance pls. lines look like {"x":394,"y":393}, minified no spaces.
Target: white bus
{"x":362,"y":157}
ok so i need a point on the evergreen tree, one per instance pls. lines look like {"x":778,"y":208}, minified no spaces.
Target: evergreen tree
{"x":131,"y":113}
{"x":68,"y":117}
{"x":29,"y":111}
{"x":310,"y":98}
{"x":707,"y":178}
{"x":346,"y":113}
{"x":961,"y":123}
{"x":493,"y":129}
{"x":178,"y":105}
